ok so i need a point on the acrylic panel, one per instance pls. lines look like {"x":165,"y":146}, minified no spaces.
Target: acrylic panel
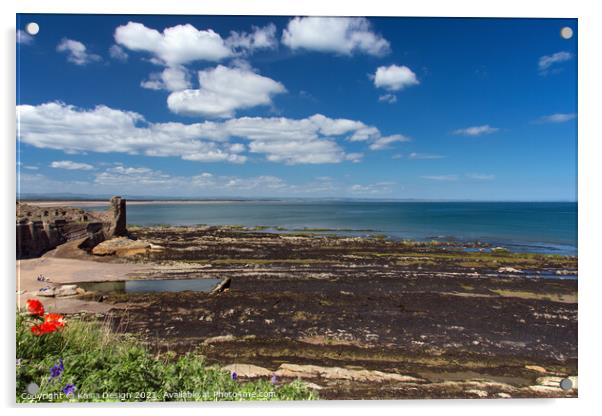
{"x":295,"y":208}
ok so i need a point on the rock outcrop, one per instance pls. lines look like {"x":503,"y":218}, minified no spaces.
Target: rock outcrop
{"x":121,"y":247}
{"x":42,"y":228}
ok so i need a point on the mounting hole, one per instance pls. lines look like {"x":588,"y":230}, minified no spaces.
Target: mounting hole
{"x":566,"y":384}
{"x":566,"y":32}
{"x":32,"y":388}
{"x":32,"y":28}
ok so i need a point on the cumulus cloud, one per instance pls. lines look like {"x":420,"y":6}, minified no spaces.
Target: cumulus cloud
{"x":548,"y":63}
{"x":117,"y":52}
{"x":475,"y":131}
{"x":394,"y":77}
{"x":77,"y":52}
{"x":556,"y":118}
{"x":259,"y":38}
{"x":386,"y":141}
{"x":170,"y":79}
{"x":174,"y":46}
{"x":224,"y":90}
{"x":102,"y":129}
{"x":182,"y":44}
{"x":70,"y":165}
{"x":340,"y":35}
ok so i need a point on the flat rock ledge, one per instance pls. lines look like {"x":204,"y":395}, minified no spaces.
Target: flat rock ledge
{"x":314,"y":372}
{"x":123,"y":247}
{"x":547,"y":386}
{"x":340,"y":373}
{"x":248,"y":370}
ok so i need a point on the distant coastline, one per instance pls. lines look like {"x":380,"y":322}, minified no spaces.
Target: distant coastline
{"x":94,"y":203}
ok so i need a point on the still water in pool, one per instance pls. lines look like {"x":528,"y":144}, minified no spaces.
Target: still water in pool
{"x":150,"y":286}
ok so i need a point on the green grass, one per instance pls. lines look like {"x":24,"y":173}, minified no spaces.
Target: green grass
{"x":107,"y":367}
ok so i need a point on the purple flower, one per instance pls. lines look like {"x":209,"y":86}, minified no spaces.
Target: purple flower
{"x":234,"y":375}
{"x":69,"y":389}
{"x":274,"y":379}
{"x":57,"y":370}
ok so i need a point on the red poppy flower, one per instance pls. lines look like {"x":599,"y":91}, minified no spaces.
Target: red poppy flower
{"x":35,"y":307}
{"x":55,"y":319}
{"x":44,"y":328}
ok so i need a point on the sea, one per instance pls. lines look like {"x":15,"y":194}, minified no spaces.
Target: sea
{"x":543,"y":227}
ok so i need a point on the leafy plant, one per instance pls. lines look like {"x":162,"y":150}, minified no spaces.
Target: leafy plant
{"x":85,"y":361}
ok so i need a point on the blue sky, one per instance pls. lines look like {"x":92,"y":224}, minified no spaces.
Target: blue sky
{"x":482,"y":109}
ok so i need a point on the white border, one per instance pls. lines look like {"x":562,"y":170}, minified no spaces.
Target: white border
{"x":590,"y":207}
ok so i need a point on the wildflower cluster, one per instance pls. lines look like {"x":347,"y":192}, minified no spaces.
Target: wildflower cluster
{"x":50,"y":322}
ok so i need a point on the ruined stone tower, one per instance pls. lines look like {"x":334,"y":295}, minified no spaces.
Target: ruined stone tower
{"x":118,"y":218}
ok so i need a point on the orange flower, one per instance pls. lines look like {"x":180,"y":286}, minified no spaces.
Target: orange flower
{"x":44,"y":328}
{"x":55,"y":319}
{"x":35,"y":307}
{"x":52,"y":322}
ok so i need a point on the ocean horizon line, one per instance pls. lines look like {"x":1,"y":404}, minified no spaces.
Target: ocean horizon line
{"x":141,"y":198}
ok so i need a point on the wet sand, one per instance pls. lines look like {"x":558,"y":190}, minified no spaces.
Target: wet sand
{"x":59,"y":270}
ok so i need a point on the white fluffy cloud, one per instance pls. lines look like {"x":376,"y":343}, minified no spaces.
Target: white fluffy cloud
{"x":386,"y":141}
{"x":102,"y":129}
{"x":176,"y":45}
{"x":183,"y":44}
{"x":259,"y":38}
{"x":547,"y":62}
{"x":170,"y":79}
{"x":77,"y":52}
{"x":341,"y":35}
{"x":224,"y":90}
{"x":394,"y":77}
{"x":70,"y":165}
{"x":475,"y":131}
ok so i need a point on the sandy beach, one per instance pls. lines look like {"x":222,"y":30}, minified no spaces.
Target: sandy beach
{"x":63,"y":271}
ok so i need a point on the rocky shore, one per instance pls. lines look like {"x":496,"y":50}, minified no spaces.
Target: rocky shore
{"x":353,"y":317}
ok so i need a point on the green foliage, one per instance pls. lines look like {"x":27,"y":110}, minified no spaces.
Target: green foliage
{"x":107,"y":367}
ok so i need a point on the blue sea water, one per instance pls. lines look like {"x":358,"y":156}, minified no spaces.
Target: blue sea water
{"x":548,"y":227}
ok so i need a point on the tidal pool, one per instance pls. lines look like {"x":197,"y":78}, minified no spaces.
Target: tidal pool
{"x":150,"y":286}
